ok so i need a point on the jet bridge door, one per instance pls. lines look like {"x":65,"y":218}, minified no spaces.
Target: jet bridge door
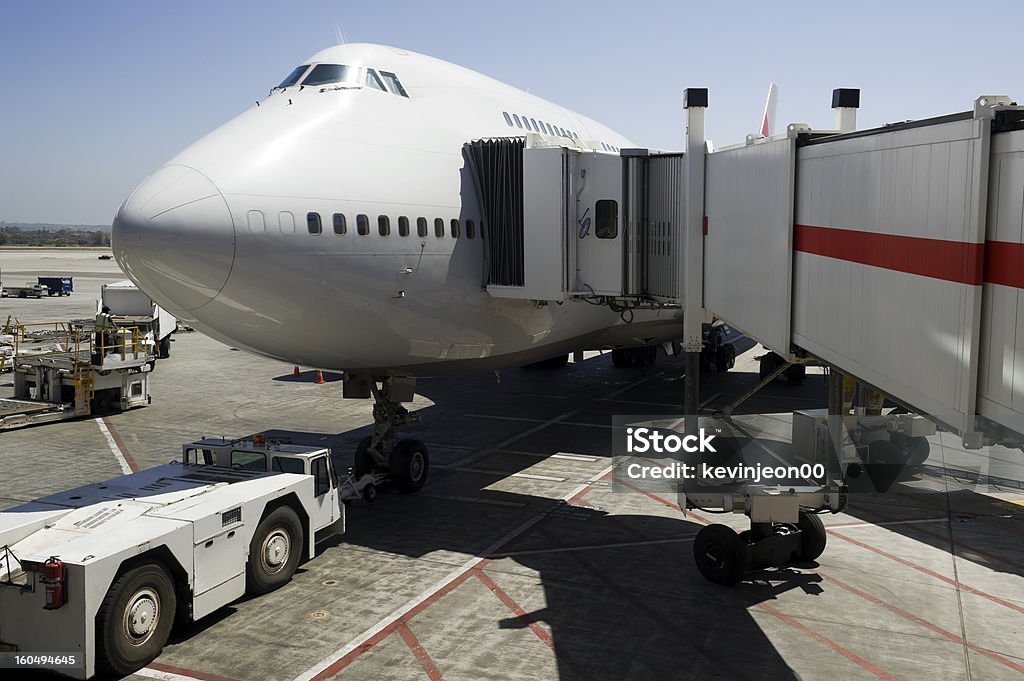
{"x":597,"y":225}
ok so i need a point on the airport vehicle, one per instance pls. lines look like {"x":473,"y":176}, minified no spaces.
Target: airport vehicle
{"x":29,"y":290}
{"x":57,"y":286}
{"x":104,"y":570}
{"x":61,"y":373}
{"x":130,"y":307}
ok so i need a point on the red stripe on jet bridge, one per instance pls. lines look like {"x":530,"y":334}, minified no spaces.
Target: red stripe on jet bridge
{"x":1004,"y":263}
{"x":954,"y":261}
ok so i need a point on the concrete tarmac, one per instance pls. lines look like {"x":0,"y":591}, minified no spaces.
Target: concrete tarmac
{"x":519,"y":560}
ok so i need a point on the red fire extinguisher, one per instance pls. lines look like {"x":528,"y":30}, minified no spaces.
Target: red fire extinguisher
{"x":53,"y":580}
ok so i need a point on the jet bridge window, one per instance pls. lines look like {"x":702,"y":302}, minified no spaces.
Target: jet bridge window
{"x":294,"y":76}
{"x":373,"y":81}
{"x":249,"y":461}
{"x":362,"y":224}
{"x":313,"y":223}
{"x":421,"y":226}
{"x":607,"y":219}
{"x":339,"y":224}
{"x":394,"y":86}
{"x":325,"y":74}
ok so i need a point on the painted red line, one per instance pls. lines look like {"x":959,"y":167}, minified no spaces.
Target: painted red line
{"x":121,"y":445}
{"x":955,"y":261}
{"x":374,"y":640}
{"x":1004,"y":263}
{"x":925,"y":623}
{"x":931,"y":573}
{"x":417,"y":649}
{"x":181,"y":671}
{"x":510,"y":603}
{"x":853,"y":657}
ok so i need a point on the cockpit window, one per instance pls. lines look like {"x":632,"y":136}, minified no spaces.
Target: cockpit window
{"x":393,"y":84}
{"x":294,"y":76}
{"x":325,"y":74}
{"x":373,"y":81}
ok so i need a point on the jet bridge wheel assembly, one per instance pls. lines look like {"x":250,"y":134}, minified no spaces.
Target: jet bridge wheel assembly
{"x":634,"y":358}
{"x":724,"y":556}
{"x":135,"y":619}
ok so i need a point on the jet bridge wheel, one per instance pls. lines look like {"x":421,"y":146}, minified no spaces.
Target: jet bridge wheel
{"x":812,"y":536}
{"x":720,"y":554}
{"x":274,"y":551}
{"x":135,"y":619}
{"x":410,"y":463}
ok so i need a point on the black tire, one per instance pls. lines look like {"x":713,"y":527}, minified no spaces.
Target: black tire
{"x":812,"y":537}
{"x":768,"y":363}
{"x":410,"y":464}
{"x":725,"y":358}
{"x":885,"y":463}
{"x":915,"y":450}
{"x":362,"y":460}
{"x":795,"y":374}
{"x":720,"y":554}
{"x":274,"y":552}
{"x":135,"y":619}
{"x":165,"y":348}
{"x":622,"y":359}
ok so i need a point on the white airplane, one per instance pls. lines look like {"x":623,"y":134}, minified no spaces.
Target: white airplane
{"x":335,"y":225}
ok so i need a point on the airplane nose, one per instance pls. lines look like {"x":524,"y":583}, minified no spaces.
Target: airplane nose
{"x":175,"y":239}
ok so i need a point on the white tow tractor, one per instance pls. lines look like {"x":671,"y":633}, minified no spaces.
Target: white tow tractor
{"x":102,"y":571}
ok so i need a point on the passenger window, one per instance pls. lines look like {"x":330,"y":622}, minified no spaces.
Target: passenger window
{"x":287,"y":465}
{"x":339,"y":224}
{"x":421,"y":226}
{"x":470,"y":229}
{"x":561,"y":131}
{"x":607,"y":219}
{"x":362,"y":225}
{"x":249,"y":461}
{"x":550,"y":131}
{"x":516,"y":119}
{"x":455,"y":228}
{"x":286,"y":222}
{"x":324,"y":74}
{"x":438,"y":227}
{"x":403,"y":226}
{"x":393,"y":85}
{"x":534,"y":124}
{"x":321,"y":479}
{"x":256,"y":225}
{"x":313,"y":223}
{"x":373,"y":81}
{"x":384,"y":225}
{"x":508,"y":119}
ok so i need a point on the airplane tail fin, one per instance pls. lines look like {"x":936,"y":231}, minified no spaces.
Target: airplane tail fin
{"x":768,"y":120}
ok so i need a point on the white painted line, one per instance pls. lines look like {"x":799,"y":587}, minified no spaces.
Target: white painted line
{"x":475,"y":500}
{"x":399,"y":612}
{"x":575,"y":457}
{"x":596,"y":547}
{"x":123,"y":462}
{"x":163,"y":676}
{"x":886,"y":523}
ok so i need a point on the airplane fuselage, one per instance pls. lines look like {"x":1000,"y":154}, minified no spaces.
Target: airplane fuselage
{"x":239,"y":233}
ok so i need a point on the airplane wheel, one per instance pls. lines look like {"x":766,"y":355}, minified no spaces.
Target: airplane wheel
{"x":885,"y":462}
{"x":274,"y":551}
{"x":725,"y":358}
{"x":720,"y":554}
{"x":362,"y":461}
{"x":410,"y":463}
{"x":135,"y":619}
{"x":370,"y":493}
{"x":812,"y":537}
{"x":767,"y":364}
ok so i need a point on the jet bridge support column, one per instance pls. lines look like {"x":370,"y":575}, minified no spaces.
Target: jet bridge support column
{"x":695,"y":101}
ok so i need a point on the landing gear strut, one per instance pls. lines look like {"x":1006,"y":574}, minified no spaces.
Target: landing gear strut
{"x":405,"y":462}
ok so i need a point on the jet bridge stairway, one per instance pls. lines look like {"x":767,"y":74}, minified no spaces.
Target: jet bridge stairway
{"x":893,"y":256}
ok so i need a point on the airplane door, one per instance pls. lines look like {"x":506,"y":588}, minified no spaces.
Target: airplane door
{"x":598,"y":230}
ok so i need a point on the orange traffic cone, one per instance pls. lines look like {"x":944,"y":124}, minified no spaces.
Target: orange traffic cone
{"x":319,"y":377}
{"x":295,"y":372}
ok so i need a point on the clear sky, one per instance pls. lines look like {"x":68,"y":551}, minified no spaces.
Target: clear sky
{"x":96,"y":95}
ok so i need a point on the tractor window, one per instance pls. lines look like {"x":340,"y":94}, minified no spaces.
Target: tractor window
{"x":285,"y":465}
{"x":249,"y":461}
{"x":192,"y":456}
{"x":321,"y":478}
